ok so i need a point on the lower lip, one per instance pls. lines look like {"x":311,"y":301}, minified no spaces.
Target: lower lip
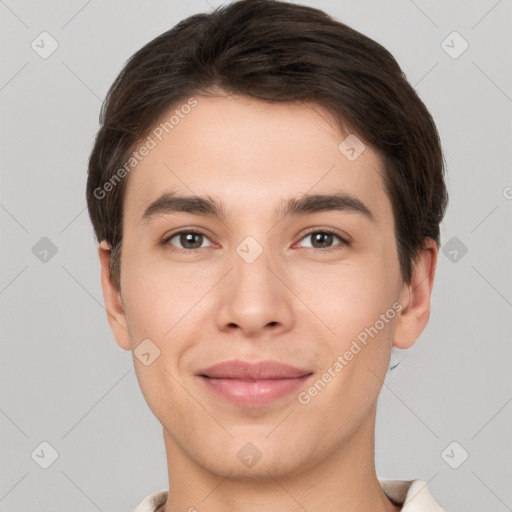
{"x":252,"y":393}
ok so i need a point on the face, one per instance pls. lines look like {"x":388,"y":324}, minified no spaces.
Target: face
{"x":314,"y":284}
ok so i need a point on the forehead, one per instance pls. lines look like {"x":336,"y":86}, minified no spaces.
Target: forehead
{"x":252,"y":155}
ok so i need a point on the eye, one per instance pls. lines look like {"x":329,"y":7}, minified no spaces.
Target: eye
{"x":193,"y":241}
{"x":323,"y":239}
{"x":190,"y":241}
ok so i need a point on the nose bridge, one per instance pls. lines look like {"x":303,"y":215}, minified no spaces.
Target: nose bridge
{"x":251,"y":274}
{"x":253,"y":296}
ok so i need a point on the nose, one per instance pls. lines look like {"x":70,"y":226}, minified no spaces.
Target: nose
{"x":253,"y":298}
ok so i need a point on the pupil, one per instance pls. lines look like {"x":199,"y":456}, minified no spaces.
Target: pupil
{"x":323,"y":238}
{"x":189,"y":238}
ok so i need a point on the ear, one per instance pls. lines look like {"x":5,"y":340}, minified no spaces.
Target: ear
{"x":415,"y":298}
{"x":112,"y":298}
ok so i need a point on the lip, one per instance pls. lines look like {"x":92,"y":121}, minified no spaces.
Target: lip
{"x":252,"y":384}
{"x":237,"y":369}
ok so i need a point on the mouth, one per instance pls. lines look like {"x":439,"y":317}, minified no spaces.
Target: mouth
{"x":252,"y":385}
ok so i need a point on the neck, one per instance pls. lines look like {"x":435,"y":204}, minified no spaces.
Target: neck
{"x":344,"y":481}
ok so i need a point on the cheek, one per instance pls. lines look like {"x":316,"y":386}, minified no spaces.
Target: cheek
{"x":156,"y":294}
{"x":348,"y":296}
{"x":361,"y":308}
{"x":165,"y":396}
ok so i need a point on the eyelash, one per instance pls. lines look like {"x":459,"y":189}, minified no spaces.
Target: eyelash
{"x":165,"y":242}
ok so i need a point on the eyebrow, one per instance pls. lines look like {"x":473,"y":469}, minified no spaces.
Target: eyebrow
{"x":170,"y":202}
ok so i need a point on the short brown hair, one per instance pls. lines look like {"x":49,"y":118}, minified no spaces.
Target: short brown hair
{"x":277,"y":52}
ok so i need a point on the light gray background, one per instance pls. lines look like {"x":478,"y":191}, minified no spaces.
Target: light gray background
{"x":65,"y":381}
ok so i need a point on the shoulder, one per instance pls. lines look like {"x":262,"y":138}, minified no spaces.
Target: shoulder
{"x":413,"y":495}
{"x":152,"y":502}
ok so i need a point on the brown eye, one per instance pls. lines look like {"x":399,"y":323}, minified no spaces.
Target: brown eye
{"x":187,"y":240}
{"x":323,"y":239}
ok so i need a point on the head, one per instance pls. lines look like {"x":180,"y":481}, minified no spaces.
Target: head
{"x":247,"y":112}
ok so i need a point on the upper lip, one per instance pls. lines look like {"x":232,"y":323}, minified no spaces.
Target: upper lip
{"x":263,"y":370}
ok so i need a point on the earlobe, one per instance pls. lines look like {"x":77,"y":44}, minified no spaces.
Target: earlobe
{"x":415,"y":298}
{"x":112,"y":298}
